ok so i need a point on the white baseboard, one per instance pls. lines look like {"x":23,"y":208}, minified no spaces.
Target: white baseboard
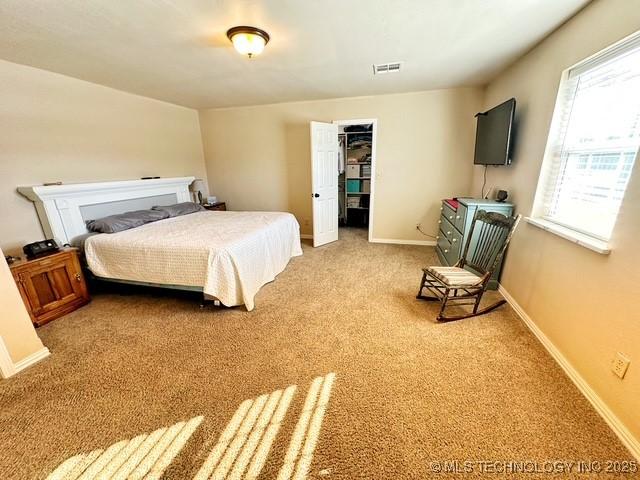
{"x":395,"y":241}
{"x":623,"y":433}
{"x":7,"y":368}
{"x":31,"y":359}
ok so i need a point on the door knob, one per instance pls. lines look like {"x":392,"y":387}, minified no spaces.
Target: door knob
{"x":316,"y":195}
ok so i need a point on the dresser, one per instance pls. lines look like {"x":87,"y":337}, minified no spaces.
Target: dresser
{"x":454,"y":225}
{"x":51,"y":286}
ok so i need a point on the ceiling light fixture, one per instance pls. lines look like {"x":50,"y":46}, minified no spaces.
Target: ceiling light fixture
{"x":248,"y":40}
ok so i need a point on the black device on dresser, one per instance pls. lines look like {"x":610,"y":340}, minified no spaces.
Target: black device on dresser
{"x":40,"y":248}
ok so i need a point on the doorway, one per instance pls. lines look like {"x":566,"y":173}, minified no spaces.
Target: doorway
{"x":357,"y":141}
{"x":343,"y":161}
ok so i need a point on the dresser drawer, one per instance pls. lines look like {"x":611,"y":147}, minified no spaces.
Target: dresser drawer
{"x":460,"y":217}
{"x":456,"y":243}
{"x":453,"y":236}
{"x":444,"y":246}
{"x":448,"y":212}
{"x":450,"y":251}
{"x":447,"y":228}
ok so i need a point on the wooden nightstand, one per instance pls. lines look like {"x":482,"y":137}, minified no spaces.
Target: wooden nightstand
{"x":51,"y":286}
{"x":222,"y":206}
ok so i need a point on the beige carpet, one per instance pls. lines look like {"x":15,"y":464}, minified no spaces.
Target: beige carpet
{"x":339,"y":373}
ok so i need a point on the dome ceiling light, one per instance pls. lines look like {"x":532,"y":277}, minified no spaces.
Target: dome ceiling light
{"x":248,"y":40}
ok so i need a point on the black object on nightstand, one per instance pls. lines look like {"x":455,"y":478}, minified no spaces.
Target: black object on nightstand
{"x":220,"y":206}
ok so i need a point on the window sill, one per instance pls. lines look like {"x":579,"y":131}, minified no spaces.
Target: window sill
{"x":599,"y":246}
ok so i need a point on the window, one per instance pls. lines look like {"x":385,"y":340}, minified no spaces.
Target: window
{"x":593,"y":143}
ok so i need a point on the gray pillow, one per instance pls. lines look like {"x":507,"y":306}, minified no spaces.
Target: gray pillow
{"x":178,"y":209}
{"x":125,"y":221}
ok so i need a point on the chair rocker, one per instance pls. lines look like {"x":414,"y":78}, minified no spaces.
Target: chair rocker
{"x":456,"y":286}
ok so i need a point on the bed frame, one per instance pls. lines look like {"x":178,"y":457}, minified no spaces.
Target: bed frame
{"x":64,"y":209}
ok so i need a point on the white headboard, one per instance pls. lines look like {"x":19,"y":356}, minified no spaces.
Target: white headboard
{"x":64,"y":209}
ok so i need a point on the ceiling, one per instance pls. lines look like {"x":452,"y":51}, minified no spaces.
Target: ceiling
{"x":176,"y":50}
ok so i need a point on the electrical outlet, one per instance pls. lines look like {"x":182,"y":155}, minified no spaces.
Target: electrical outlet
{"x":620,"y":365}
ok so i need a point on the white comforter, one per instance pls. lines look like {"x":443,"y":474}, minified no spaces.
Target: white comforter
{"x":230,"y":254}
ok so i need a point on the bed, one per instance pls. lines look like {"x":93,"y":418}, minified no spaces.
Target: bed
{"x":228,"y":256}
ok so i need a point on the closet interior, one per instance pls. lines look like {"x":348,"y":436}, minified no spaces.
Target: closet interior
{"x":354,"y":180}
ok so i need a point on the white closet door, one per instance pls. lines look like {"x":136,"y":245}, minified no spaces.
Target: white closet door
{"x":324,"y":182}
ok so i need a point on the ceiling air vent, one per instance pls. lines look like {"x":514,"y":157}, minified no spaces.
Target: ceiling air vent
{"x":392,"y":67}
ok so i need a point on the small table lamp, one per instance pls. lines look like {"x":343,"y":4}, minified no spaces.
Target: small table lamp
{"x":196,"y":187}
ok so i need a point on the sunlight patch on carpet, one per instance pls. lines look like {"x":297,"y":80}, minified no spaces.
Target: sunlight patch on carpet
{"x":240,"y":453}
{"x":305,"y":436}
{"x":145,"y":456}
{"x":245,"y":442}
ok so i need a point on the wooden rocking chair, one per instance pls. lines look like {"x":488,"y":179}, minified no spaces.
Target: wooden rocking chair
{"x":457,"y":286}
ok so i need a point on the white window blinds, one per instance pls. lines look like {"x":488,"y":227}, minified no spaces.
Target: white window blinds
{"x":593,"y":142}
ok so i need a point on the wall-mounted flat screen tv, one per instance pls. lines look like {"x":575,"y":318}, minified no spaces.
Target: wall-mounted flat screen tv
{"x":493,"y":134}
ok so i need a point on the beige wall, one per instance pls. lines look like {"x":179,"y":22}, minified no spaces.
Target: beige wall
{"x":258,"y":157}
{"x":16,"y":329}
{"x":587,"y":304}
{"x":56,"y":128}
